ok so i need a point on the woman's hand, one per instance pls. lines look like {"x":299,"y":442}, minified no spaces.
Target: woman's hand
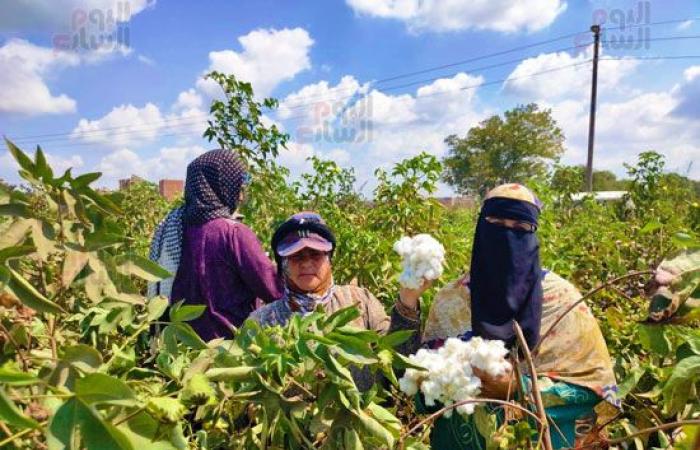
{"x":409,"y":297}
{"x":496,"y":387}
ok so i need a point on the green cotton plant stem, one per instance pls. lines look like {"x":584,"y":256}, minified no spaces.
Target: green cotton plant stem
{"x":584,"y":297}
{"x":20,"y":353}
{"x":128,"y":341}
{"x":18,"y":435}
{"x":537,"y":396}
{"x":130,"y":416}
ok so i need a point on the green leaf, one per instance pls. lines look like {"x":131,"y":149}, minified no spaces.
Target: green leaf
{"x":650,"y":227}
{"x":141,"y":267}
{"x":43,"y":169}
{"x":25,"y":292}
{"x":15,"y":210}
{"x":230,"y":374}
{"x":678,"y":388}
{"x":99,"y":388}
{"x":630,"y":381}
{"x":145,"y":433}
{"x":187,"y":336}
{"x":15,"y":252}
{"x":396,"y":338}
{"x":12,"y":376}
{"x":77,"y":424}
{"x":185,"y":313}
{"x":16,"y":233}
{"x":373,"y":428}
{"x":22,"y":159}
{"x":85,"y":179}
{"x":653,"y":338}
{"x":156,"y":308}
{"x":82,"y":354}
{"x":9,"y":413}
{"x":165,"y":409}
{"x":43,"y":236}
{"x":73,"y":264}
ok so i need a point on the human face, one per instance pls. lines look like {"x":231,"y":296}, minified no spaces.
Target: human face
{"x":308,"y":268}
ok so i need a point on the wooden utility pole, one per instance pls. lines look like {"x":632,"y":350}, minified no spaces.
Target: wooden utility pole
{"x":591,"y":120}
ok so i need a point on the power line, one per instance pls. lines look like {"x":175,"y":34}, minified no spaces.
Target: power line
{"x":439,"y":93}
{"x":194,"y":120}
{"x":383,"y":80}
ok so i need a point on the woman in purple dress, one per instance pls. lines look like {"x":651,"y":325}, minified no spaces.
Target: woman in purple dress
{"x":221,"y":262}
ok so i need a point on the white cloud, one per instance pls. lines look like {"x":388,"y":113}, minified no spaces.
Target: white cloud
{"x":454,"y":15}
{"x":320,"y":101}
{"x":688,"y":95}
{"x":624,"y":128}
{"x":563,"y":75}
{"x":60,"y":164}
{"x":404,"y":125}
{"x":129,"y":126}
{"x":26,"y":68}
{"x":170,"y":162}
{"x":268,"y":57}
{"x":685,"y":25}
{"x":188,"y":100}
{"x":122,"y":126}
{"x":24,"y":90}
{"x":59,"y":15}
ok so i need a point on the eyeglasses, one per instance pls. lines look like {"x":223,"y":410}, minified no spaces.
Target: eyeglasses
{"x":314,"y":256}
{"x":511,"y":223}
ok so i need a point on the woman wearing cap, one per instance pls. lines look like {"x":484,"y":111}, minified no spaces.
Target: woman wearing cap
{"x":303,"y":248}
{"x":506,"y":284}
{"x":218,"y":261}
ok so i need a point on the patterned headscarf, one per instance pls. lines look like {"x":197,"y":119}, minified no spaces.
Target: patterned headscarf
{"x":213,"y":185}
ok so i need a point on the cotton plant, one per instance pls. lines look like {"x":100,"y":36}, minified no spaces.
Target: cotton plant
{"x":450,"y":377}
{"x":422,"y":257}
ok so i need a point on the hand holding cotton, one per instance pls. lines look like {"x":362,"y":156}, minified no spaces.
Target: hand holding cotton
{"x":422,"y":258}
{"x":450,"y":377}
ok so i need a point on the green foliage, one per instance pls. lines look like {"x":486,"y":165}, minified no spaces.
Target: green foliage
{"x":503,"y":150}
{"x":571,"y":179}
{"x":81,"y":369}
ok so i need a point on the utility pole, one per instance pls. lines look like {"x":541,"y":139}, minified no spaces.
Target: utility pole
{"x":591,"y":119}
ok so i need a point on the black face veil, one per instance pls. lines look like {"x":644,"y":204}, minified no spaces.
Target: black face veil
{"x":505,"y":276}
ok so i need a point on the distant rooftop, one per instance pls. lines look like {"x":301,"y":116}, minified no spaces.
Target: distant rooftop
{"x":601,"y":196}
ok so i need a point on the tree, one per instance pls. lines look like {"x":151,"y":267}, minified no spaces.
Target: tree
{"x":571,"y":179}
{"x":509,"y":149}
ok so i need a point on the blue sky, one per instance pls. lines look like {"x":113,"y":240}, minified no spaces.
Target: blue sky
{"x":139,"y":106}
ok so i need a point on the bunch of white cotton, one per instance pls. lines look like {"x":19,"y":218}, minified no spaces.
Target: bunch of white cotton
{"x":422,"y":258}
{"x":449,"y":377}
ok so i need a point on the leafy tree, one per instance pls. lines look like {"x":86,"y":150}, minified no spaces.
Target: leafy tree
{"x":572,"y":179}
{"x":511,"y":148}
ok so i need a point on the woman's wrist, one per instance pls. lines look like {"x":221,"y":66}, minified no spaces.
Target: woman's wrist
{"x":410,"y":312}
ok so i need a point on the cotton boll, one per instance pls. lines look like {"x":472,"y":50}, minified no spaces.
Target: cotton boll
{"x":422,"y":258}
{"x":449,"y":377}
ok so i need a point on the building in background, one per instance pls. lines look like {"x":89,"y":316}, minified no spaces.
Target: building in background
{"x":125,"y":183}
{"x":170,"y":189}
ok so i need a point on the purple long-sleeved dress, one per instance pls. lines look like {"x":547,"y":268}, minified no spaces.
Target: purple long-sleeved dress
{"x":223,"y":266}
